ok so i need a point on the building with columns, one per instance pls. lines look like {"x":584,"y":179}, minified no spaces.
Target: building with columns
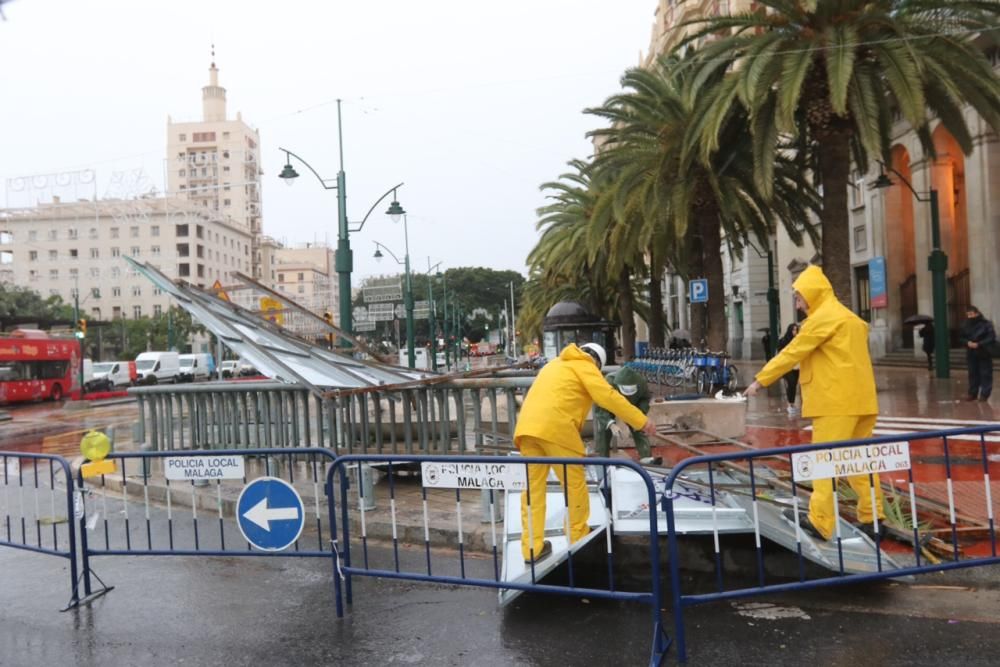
{"x":889,"y":225}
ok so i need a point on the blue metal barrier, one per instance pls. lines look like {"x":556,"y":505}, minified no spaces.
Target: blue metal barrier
{"x":426,"y":572}
{"x":37,"y":476}
{"x":714,"y":462}
{"x":137,"y":511}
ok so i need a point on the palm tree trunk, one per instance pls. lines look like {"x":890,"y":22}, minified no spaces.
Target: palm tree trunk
{"x":835,"y":171}
{"x":718,"y":329}
{"x":696,"y":267}
{"x":626,"y":313}
{"x":656,"y":329}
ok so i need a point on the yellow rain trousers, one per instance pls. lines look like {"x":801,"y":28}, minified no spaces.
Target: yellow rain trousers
{"x":549,"y":425}
{"x":832,"y":429}
{"x":838,"y":385}
{"x":533,"y":503}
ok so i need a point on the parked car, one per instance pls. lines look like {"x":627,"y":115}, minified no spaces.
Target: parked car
{"x":157,"y":367}
{"x":109,"y":375}
{"x":246,"y":369}
{"x":230,"y":368}
{"x":195,"y":367}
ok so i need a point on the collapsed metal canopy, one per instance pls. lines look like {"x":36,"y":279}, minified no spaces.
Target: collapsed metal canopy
{"x":273,"y":351}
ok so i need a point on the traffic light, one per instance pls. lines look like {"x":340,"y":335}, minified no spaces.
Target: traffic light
{"x":82,"y":326}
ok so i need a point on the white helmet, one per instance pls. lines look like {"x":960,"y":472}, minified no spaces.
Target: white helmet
{"x":597,"y":352}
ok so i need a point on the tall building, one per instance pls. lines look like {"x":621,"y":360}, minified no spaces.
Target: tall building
{"x":215,"y":164}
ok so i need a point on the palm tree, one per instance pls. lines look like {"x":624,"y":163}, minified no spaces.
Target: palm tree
{"x":683,"y":200}
{"x":564,"y":265}
{"x":829,"y":73}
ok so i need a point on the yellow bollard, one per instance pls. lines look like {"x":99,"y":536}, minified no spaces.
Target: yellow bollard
{"x":95,"y":447}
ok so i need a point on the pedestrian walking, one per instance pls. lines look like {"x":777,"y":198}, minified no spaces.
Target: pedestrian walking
{"x":635,"y":389}
{"x":549,"y":425}
{"x":838,"y":393}
{"x":791,"y":378}
{"x":927,"y":343}
{"x":979,"y":337}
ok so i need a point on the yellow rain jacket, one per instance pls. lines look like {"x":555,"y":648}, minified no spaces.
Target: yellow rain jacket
{"x":562,"y":395}
{"x":832,"y":350}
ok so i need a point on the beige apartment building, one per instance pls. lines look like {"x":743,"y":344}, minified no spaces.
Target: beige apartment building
{"x":307,"y":275}
{"x":887,"y":226}
{"x":69,"y":248}
{"x":215,"y":164}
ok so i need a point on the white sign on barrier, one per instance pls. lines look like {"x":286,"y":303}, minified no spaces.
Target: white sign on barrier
{"x":13,"y":467}
{"x":500,"y":476}
{"x":182,"y":468}
{"x":860,"y":460}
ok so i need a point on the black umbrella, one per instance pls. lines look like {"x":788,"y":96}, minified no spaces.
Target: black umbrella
{"x":918,"y":319}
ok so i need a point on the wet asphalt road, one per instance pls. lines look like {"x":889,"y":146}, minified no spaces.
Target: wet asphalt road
{"x":182,"y":611}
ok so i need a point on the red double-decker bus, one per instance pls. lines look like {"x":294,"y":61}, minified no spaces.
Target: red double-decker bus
{"x":35,"y":366}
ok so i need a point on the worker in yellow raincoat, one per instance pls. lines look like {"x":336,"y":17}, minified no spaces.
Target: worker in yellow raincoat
{"x":838,"y":391}
{"x":549,"y":425}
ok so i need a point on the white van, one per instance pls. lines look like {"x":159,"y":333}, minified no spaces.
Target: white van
{"x":421,"y":360}
{"x":194,"y":367}
{"x":111,"y":374}
{"x":157,"y":367}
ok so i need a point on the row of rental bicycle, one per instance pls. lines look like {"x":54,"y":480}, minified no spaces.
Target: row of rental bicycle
{"x":690,"y":369}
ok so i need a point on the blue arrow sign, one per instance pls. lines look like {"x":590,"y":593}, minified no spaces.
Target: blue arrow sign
{"x":699,"y":290}
{"x":269,"y":513}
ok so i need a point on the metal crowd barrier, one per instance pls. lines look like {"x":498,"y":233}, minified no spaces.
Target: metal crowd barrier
{"x":427,"y":563}
{"x":459,"y":416}
{"x":140,"y":511}
{"x":951,"y":446}
{"x":36,"y":487}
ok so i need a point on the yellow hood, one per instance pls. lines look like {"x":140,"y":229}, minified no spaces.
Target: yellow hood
{"x":572,"y":352}
{"x":814,"y":287}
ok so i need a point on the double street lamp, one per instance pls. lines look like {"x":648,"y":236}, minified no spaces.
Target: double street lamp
{"x":937,"y":263}
{"x":396,"y":212}
{"x":432,"y":311}
{"x":343,"y":259}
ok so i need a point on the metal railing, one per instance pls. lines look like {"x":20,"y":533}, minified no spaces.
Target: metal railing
{"x":965,"y":448}
{"x":460,"y":416}
{"x":443,"y":560}
{"x":35,"y":489}
{"x":141,"y":509}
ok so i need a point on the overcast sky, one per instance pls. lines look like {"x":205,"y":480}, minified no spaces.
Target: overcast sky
{"x":472,"y":104}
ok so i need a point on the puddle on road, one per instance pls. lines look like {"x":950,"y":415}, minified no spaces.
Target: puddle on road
{"x":766,"y":611}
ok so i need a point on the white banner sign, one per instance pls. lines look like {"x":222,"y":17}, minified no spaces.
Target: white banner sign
{"x":500,"y":476}
{"x":182,"y":468}
{"x":384,"y":291}
{"x":861,"y":460}
{"x":380,"y":312}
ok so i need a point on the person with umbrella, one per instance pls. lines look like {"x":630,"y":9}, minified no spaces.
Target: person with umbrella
{"x":927,"y":343}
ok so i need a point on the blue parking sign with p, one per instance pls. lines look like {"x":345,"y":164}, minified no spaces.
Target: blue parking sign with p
{"x":698,"y":290}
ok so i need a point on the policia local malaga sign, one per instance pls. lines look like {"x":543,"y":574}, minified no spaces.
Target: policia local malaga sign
{"x":845,"y":461}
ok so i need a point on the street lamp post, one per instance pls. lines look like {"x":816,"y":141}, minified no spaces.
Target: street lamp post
{"x":407,"y":294}
{"x":937,"y":263}
{"x":343,"y":259}
{"x":432,"y":313}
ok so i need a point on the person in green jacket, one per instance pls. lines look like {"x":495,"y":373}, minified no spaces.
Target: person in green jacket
{"x":634,"y":388}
